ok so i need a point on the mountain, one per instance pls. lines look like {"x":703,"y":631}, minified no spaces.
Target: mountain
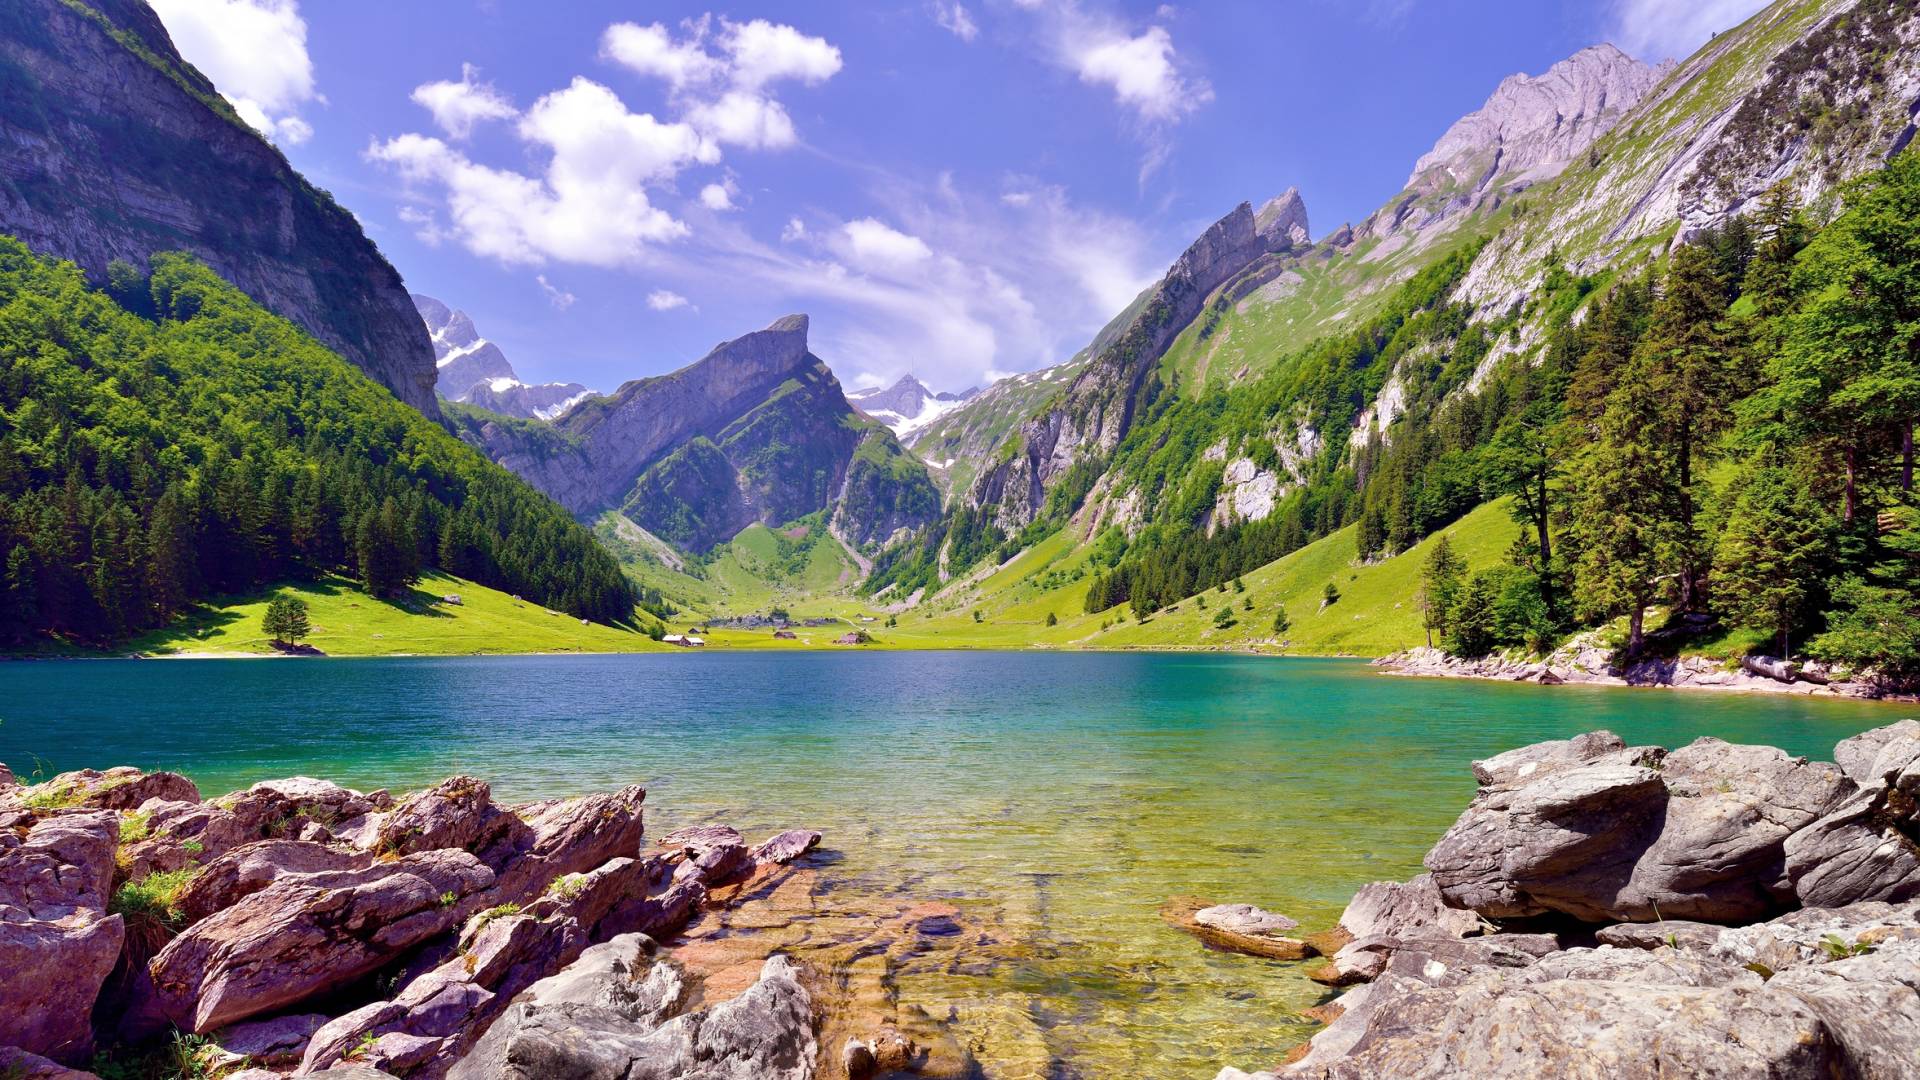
{"x":1239,"y":254}
{"x":116,"y":148}
{"x":908,"y":405}
{"x":474,"y":370}
{"x":1264,"y":394}
{"x":757,"y":431}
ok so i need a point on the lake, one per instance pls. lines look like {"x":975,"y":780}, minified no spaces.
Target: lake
{"x":1067,"y":794}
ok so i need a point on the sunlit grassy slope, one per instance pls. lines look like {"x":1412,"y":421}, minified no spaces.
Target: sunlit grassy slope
{"x":1375,"y":614}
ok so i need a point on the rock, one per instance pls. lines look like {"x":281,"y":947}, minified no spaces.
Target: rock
{"x":1240,"y":928}
{"x":857,"y":1060}
{"x":764,"y":1034}
{"x":6,"y":778}
{"x":787,"y":846}
{"x":278,"y":1041}
{"x":1395,"y":909}
{"x":1243,"y":919}
{"x":115,"y":789}
{"x":57,"y":942}
{"x":1880,"y":756}
{"x":247,"y":869}
{"x":456,"y":813}
{"x":1587,"y":828}
{"x":309,"y":933}
{"x":714,"y":853}
{"x":1668,"y":933}
{"x":17,"y":1064}
{"x":569,"y":836}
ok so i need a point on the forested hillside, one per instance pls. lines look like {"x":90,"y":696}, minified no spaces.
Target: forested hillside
{"x":167,"y":440}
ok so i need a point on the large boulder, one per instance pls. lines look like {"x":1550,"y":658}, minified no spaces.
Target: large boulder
{"x":307,"y":934}
{"x":57,"y":942}
{"x":561,"y":837}
{"x":456,"y":813}
{"x":1596,"y":830}
{"x":249,"y":868}
{"x":17,"y":1064}
{"x":611,"y":1026}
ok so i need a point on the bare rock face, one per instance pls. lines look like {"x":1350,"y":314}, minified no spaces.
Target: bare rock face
{"x":309,"y":933}
{"x":569,"y":836}
{"x":186,"y":832}
{"x":247,"y":869}
{"x":57,"y":942}
{"x":1282,"y":221}
{"x":1098,"y":408}
{"x":202,"y":182}
{"x":474,"y":370}
{"x":456,"y":813}
{"x":1533,"y":125}
{"x":17,"y":1064}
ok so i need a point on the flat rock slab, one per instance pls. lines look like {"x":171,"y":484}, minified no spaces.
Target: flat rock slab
{"x":1184,"y":913}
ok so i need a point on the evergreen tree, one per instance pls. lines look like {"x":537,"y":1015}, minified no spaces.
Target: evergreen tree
{"x":388,"y":561}
{"x":1440,"y":586}
{"x":1470,"y":628}
{"x":286,"y":620}
{"x":1769,"y":553}
{"x":1627,"y":506}
{"x":1281,"y":624}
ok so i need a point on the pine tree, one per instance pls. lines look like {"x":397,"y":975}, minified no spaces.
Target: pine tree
{"x":388,"y":560}
{"x":1440,"y":586}
{"x":1770,"y":551}
{"x":1624,"y":517}
{"x":1470,"y":628}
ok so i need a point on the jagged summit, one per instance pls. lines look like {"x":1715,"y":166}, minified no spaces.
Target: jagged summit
{"x":1284,"y":215}
{"x":472,"y":369}
{"x":1535,"y":122}
{"x":908,"y":405}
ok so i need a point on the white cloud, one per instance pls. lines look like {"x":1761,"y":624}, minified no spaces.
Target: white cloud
{"x":592,"y":200}
{"x":591,"y":206}
{"x":1659,"y":29}
{"x":458,"y":106}
{"x":556,"y":296}
{"x":665,"y":300}
{"x":875,"y":243}
{"x":795,"y":231}
{"x":724,"y":93}
{"x":954,"y":17}
{"x":718,"y":196}
{"x":255,"y":51}
{"x":1140,"y":71}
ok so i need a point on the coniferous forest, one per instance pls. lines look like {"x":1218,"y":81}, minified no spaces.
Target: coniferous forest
{"x":166,"y":440}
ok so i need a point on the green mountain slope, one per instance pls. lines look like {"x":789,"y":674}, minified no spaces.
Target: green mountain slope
{"x":175,"y":441}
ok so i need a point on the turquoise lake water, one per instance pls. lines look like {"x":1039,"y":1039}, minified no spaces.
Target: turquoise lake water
{"x":1063,"y":796}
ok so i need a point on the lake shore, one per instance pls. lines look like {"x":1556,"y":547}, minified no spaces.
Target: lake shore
{"x":1587,"y":665}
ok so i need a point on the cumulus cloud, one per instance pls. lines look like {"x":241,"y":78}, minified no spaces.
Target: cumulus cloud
{"x":1659,"y":29}
{"x":795,"y":231}
{"x":458,"y":106}
{"x":255,"y":51}
{"x":594,"y":200}
{"x":954,"y":18}
{"x":591,"y":205}
{"x":871,"y":243}
{"x":665,"y":300}
{"x":719,"y":72}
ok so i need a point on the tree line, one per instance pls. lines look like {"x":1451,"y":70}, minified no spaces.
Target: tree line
{"x":165,"y":440}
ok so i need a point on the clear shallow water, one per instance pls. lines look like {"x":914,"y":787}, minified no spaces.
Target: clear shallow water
{"x":1063,"y":797}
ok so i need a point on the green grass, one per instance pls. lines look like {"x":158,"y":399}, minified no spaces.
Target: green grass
{"x":348,"y":622}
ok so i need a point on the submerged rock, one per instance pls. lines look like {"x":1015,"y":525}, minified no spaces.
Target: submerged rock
{"x":1240,"y":928}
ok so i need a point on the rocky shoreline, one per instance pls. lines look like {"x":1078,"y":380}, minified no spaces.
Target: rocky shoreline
{"x":303,"y":928}
{"x":1628,"y":911}
{"x":1582,"y":662}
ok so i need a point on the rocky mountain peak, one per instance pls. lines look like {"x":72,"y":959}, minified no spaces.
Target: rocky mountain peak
{"x":1534,"y":124}
{"x":1284,"y":217}
{"x":474,"y":370}
{"x":908,"y":405}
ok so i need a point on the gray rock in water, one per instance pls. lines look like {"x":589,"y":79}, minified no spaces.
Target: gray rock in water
{"x":1243,"y":919}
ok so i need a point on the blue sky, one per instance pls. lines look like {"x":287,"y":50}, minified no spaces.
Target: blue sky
{"x":959,"y":188}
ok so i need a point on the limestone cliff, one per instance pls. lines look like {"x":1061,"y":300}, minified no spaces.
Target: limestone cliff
{"x":758,"y":430}
{"x":112,"y":148}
